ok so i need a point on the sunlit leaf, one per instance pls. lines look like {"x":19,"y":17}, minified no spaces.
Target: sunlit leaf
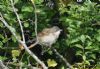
{"x":15,"y":53}
{"x":1,"y":36}
{"x":79,"y":53}
{"x":26,"y":24}
{"x":27,"y":9}
{"x":79,"y":46}
{"x":82,"y":38}
{"x":87,"y":62}
{"x":93,"y":56}
{"x":51,"y":63}
{"x":88,"y":47}
{"x":50,"y":52}
{"x":3,"y":58}
{"x":97,"y":36}
{"x":62,"y":67}
{"x":38,"y":1}
{"x":84,"y":57}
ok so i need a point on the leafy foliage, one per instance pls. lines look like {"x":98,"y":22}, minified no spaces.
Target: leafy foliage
{"x":81,"y":21}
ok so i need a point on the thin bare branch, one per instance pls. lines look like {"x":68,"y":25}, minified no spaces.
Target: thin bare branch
{"x":14,"y":9}
{"x":19,"y":21}
{"x":66,"y":62}
{"x":9,"y":27}
{"x":22,"y":42}
{"x":2,"y":66}
{"x":34,"y":6}
{"x":32,"y":45}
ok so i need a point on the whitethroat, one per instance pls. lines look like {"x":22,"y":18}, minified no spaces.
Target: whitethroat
{"x":47,"y":37}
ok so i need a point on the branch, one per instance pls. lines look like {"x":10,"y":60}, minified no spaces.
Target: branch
{"x":14,"y":9}
{"x":2,"y":66}
{"x":32,"y":1}
{"x":22,"y":42}
{"x":66,"y":62}
{"x":31,"y":46}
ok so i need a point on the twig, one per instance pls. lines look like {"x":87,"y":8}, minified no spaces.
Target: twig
{"x":12,"y":4}
{"x":22,"y":42}
{"x":9,"y":27}
{"x":2,"y":66}
{"x":32,"y":45}
{"x":35,"y":18}
{"x":66,"y":62}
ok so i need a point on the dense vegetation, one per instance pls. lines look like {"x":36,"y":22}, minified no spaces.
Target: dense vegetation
{"x":79,"y":42}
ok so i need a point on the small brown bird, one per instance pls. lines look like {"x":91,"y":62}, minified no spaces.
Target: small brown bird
{"x":49,"y":36}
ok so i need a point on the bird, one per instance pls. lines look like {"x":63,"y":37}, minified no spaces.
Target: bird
{"x":47,"y":37}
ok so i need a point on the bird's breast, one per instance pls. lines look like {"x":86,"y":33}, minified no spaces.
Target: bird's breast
{"x":49,"y":39}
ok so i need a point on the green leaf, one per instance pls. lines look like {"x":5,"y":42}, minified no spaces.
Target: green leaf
{"x":21,"y":16}
{"x":26,"y":24}
{"x":97,"y":65}
{"x":88,"y":47}
{"x":88,"y":52}
{"x":5,"y":40}
{"x":2,"y":58}
{"x":93,"y":56}
{"x":13,"y":38}
{"x":62,"y":67}
{"x":71,"y":30}
{"x":84,"y":57}
{"x":87,"y":62}
{"x":1,"y":36}
{"x":79,"y":53}
{"x":27,"y":9}
{"x":89,"y":43}
{"x":82,"y":38}
{"x":74,"y":40}
{"x":98,"y":31}
{"x":15,"y":53}
{"x":1,"y":24}
{"x":50,"y":52}
{"x":88,"y":37}
{"x":51,"y":63}
{"x":33,"y":34}
{"x":91,"y":60}
{"x":1,"y":44}
{"x":79,"y":46}
{"x":97,"y":37}
{"x":38,"y":1}
{"x":16,"y":1}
